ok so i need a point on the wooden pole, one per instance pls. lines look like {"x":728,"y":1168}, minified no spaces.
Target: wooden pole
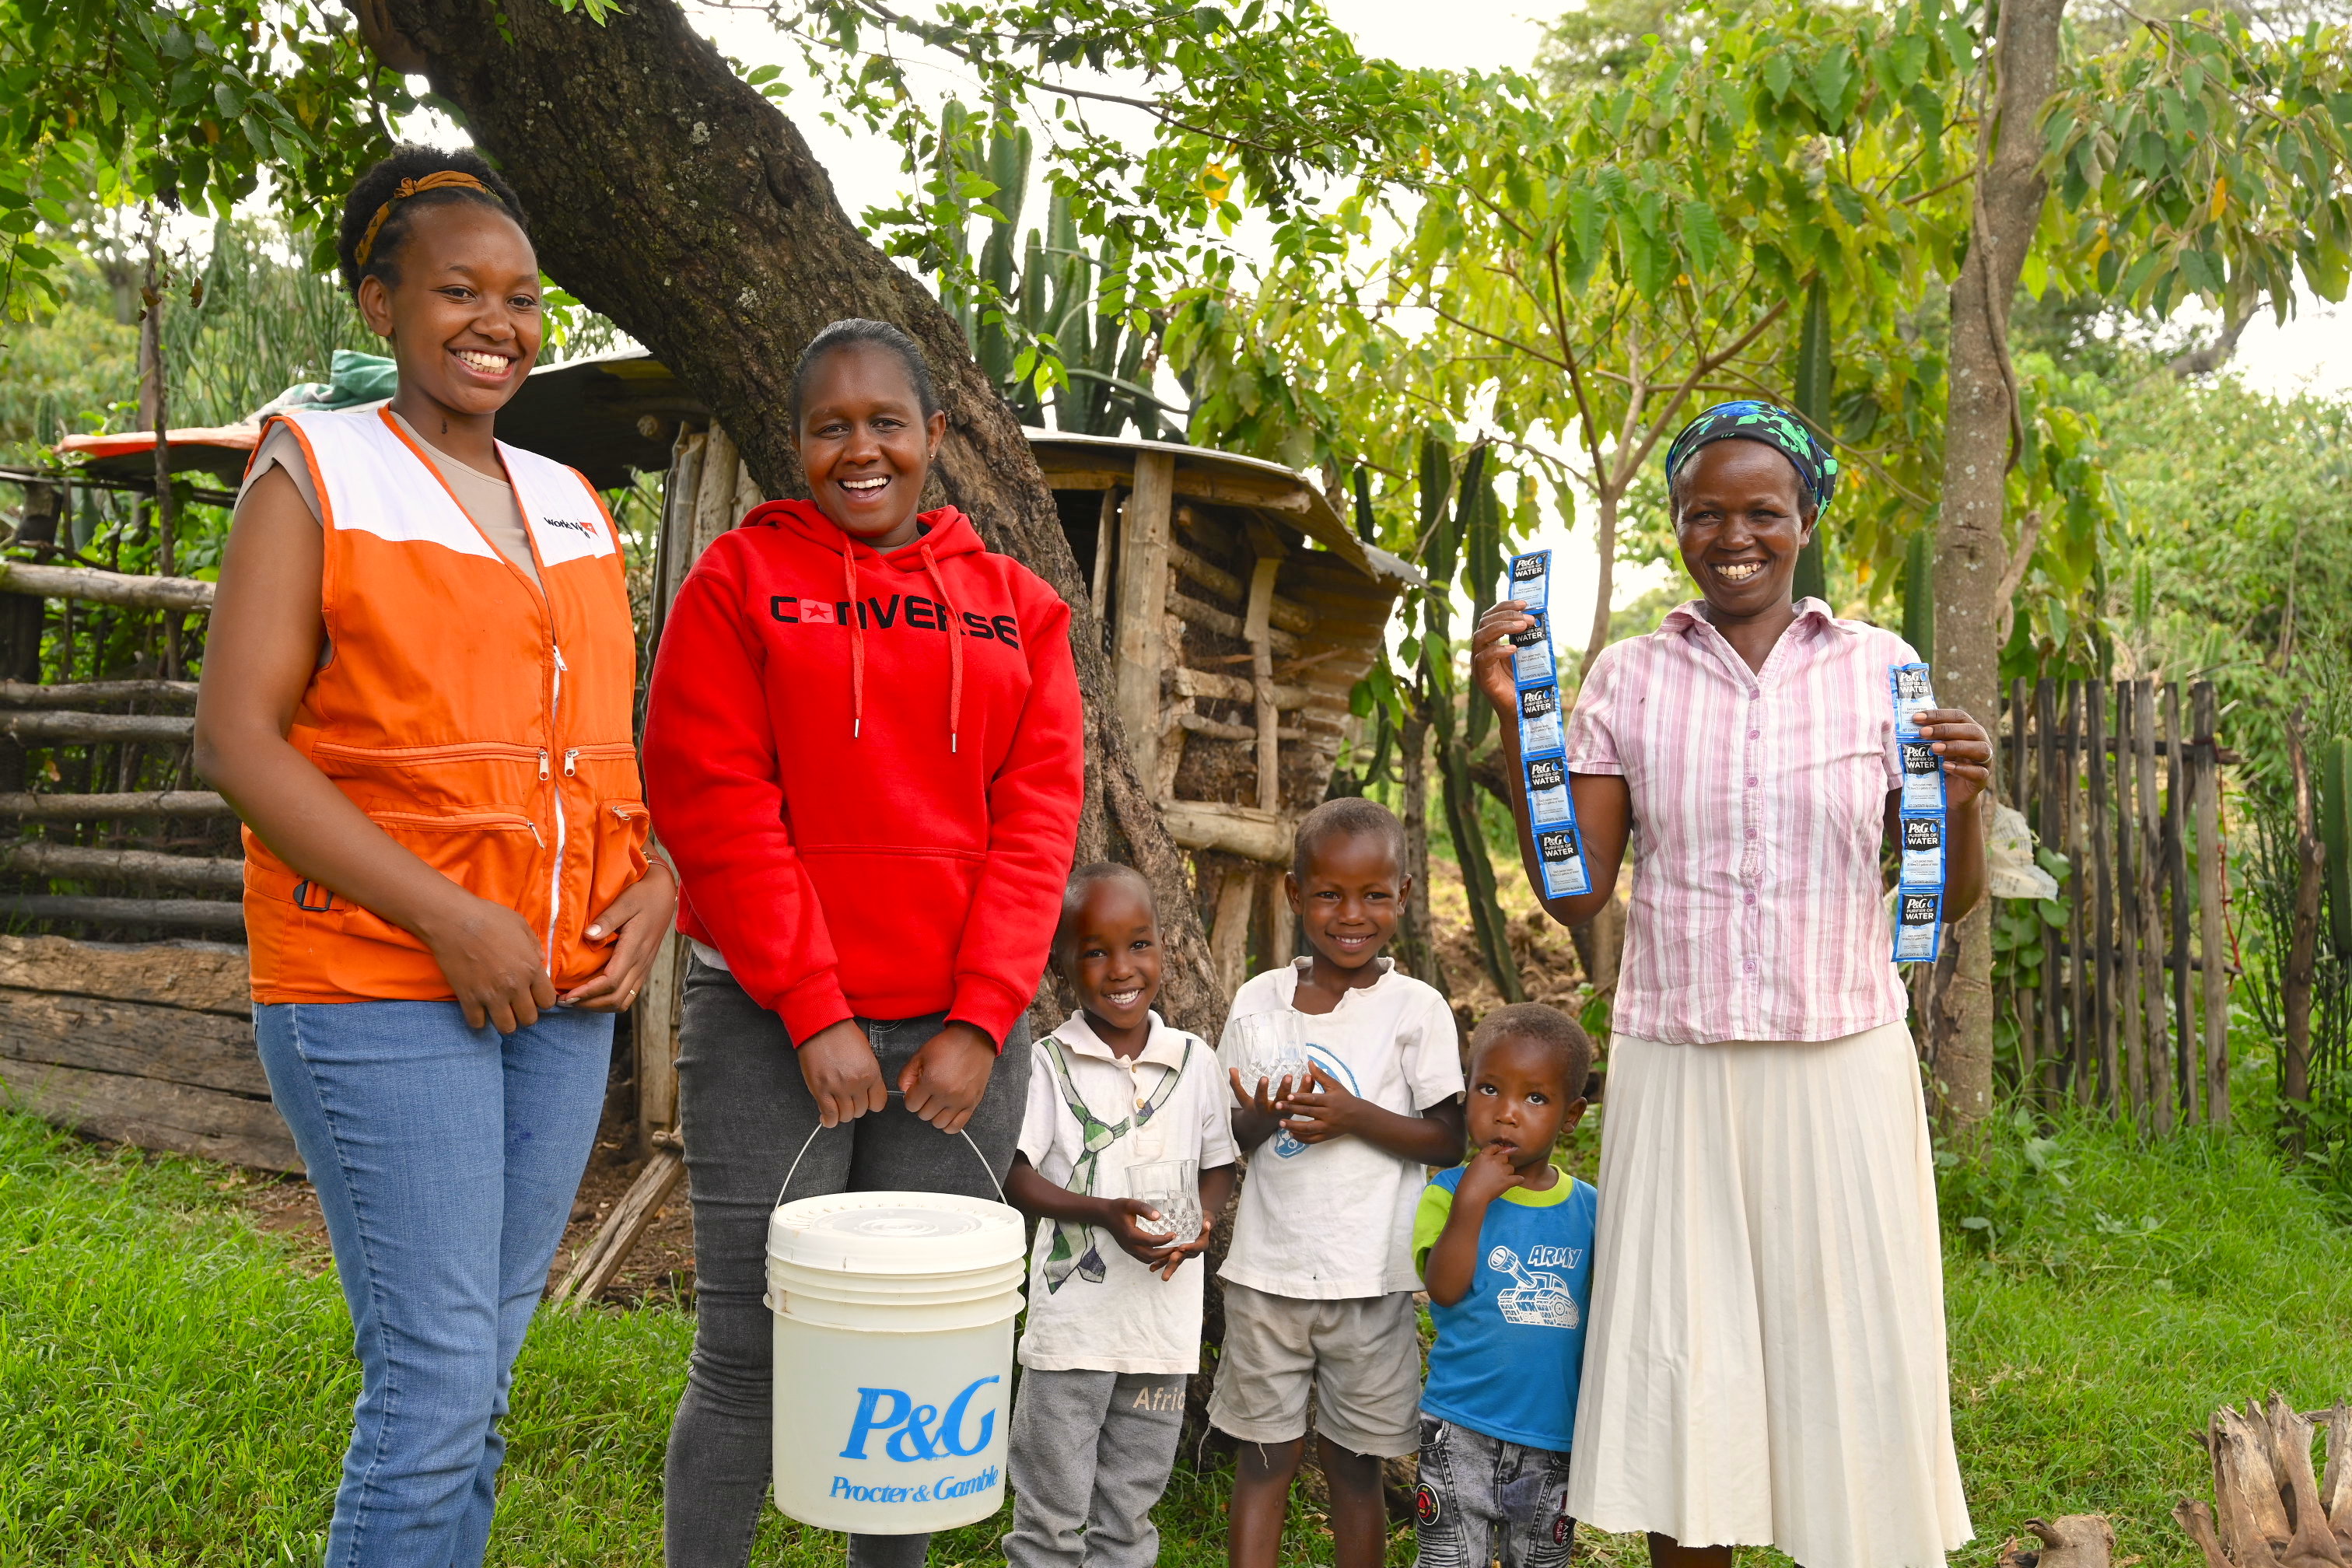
{"x":95,"y":586}
{"x":2056,"y":993}
{"x":39,"y":858}
{"x":2212,"y":873}
{"x":2127,"y":895}
{"x":200,"y":914}
{"x":2028,"y":1001}
{"x":102,"y":807}
{"x":1139,"y":633}
{"x":1256,"y":628}
{"x":2150,"y":864}
{"x":2079,"y":905}
{"x":2185,"y":1070}
{"x":2102,"y":914}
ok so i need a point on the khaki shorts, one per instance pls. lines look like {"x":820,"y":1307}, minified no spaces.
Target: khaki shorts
{"x":1360,"y":1358}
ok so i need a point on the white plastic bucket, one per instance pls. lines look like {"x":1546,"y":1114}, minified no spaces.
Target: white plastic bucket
{"x":894,"y":1358}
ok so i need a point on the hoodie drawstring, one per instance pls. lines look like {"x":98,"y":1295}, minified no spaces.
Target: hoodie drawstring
{"x":955,"y":642}
{"x":856,"y":639}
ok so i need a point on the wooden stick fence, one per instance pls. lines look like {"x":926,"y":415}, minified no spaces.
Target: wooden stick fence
{"x":2124,"y":1002}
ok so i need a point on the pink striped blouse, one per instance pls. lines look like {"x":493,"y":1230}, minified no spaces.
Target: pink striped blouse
{"x":1758,"y":809}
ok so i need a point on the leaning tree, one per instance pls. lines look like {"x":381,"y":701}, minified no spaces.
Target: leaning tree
{"x":669,"y":192}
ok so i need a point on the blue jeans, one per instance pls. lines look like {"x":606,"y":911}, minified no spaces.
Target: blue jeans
{"x":445,"y":1160}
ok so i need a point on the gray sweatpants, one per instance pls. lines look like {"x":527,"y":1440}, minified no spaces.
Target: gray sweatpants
{"x":1482,"y":1501}
{"x":1091,"y":1454}
{"x":744,"y":1111}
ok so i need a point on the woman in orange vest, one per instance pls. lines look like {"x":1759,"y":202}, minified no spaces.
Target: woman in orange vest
{"x":417,"y":693}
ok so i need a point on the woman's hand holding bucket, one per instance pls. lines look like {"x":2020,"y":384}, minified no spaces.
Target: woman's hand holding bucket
{"x":837,"y":1064}
{"x":949,"y":1075}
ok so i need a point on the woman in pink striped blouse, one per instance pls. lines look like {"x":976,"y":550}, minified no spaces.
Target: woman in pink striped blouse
{"x":1766,"y":1356}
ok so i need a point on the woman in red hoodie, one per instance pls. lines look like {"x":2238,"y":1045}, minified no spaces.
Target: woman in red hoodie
{"x":863,"y":751}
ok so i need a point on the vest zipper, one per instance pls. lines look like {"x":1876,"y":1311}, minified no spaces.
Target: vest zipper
{"x":570,"y":758}
{"x":555,"y":877}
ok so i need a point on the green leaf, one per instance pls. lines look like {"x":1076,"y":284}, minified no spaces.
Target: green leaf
{"x":1830,"y":73}
{"x":1779,"y":73}
{"x":1703,"y":240}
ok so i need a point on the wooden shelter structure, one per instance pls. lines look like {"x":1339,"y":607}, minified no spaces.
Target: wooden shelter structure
{"x":1240,"y":608}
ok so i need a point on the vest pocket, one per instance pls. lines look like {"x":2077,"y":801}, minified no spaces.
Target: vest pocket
{"x":619,"y":842}
{"x":490,"y":854}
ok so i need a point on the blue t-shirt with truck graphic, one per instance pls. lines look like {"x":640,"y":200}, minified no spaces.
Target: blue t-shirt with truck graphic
{"x":1510,"y":1353}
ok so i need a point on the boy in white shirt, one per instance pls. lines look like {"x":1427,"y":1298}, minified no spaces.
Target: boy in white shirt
{"x":1114,"y":1316}
{"x":1320,"y":1279}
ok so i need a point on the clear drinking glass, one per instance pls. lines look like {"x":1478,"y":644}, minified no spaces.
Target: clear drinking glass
{"x":1272,"y":1047}
{"x":1173,"y":1187}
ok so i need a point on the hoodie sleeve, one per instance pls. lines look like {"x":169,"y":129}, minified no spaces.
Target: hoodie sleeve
{"x":713,"y":784}
{"x":1032,"y":809}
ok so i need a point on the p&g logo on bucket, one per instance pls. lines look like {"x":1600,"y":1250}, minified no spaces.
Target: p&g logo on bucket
{"x":910,"y":1433}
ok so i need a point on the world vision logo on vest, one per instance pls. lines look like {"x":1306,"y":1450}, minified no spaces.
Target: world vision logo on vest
{"x":570,"y":525}
{"x":910,"y":611}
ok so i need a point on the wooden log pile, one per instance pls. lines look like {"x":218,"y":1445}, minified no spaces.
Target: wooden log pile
{"x":2271,"y":1508}
{"x":149,"y":1043}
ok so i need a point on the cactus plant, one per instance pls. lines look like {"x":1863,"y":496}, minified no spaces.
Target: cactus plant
{"x":1058,"y":296}
{"x":2335,"y":808}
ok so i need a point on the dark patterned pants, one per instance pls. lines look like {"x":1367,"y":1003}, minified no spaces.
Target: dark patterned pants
{"x":1482,"y":1501}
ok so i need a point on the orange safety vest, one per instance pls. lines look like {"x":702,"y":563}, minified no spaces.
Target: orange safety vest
{"x":483,"y":723}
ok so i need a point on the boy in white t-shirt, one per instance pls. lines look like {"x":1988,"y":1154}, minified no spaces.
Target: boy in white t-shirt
{"x":1116,"y":1097}
{"x":1319,"y":1279}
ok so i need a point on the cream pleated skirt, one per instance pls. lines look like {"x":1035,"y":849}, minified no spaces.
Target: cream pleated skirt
{"x":1765,"y":1362}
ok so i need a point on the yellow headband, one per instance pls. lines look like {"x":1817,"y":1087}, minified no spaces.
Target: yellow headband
{"x":442,"y":181}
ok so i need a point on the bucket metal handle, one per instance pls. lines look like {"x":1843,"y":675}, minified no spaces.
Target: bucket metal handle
{"x":810,"y":1140}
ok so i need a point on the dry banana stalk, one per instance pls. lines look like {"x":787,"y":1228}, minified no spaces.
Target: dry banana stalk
{"x":2268,"y":1509}
{"x":2311,"y":1544}
{"x":2335,"y":1484}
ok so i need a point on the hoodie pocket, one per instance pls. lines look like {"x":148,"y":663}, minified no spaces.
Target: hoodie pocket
{"x":896,"y":915}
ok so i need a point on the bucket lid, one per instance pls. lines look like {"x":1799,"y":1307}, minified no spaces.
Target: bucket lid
{"x":896,"y":1233}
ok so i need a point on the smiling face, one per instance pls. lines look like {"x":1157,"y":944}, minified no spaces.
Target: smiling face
{"x":1739,"y":525}
{"x":866,"y":443}
{"x":1108,"y":951}
{"x":1519,"y":1100}
{"x":1346,"y":900}
{"x":464,"y":317}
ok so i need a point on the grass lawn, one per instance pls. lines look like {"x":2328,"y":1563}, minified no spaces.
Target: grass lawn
{"x":175,"y":1384}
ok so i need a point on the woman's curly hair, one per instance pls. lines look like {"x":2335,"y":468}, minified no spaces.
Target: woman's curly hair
{"x":410,"y":161}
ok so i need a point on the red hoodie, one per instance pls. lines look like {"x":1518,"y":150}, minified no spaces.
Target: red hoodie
{"x":871,"y":815}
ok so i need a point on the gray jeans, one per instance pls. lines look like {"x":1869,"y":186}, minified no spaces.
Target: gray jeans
{"x":1483,"y":1501}
{"x":744,"y":1111}
{"x":1091,"y":1454}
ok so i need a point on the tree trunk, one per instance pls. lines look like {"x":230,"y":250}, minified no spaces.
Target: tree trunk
{"x":681,"y":204}
{"x":1979,"y":447}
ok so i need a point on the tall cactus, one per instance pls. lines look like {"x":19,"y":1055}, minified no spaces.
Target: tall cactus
{"x":1810,"y":395}
{"x":2334,"y":805}
{"x":1054,"y":291}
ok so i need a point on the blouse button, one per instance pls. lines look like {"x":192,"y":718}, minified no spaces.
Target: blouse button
{"x":1751,"y":780}
{"x":1751,"y":898}
{"x":1754,"y":734}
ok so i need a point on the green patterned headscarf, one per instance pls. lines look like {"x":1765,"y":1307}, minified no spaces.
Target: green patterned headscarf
{"x":1749,"y":420}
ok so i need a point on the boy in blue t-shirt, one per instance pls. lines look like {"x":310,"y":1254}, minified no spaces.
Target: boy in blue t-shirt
{"x":1508,"y":1283}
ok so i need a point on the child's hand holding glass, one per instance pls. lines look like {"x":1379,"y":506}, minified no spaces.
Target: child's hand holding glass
{"x":1172,"y":1190}
{"x":1321,"y":1110}
{"x":1270,"y":1062}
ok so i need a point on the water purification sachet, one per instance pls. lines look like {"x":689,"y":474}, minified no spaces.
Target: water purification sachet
{"x":1922,"y":822}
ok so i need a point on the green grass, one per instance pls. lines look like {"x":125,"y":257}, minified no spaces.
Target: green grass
{"x":174,"y":1385}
